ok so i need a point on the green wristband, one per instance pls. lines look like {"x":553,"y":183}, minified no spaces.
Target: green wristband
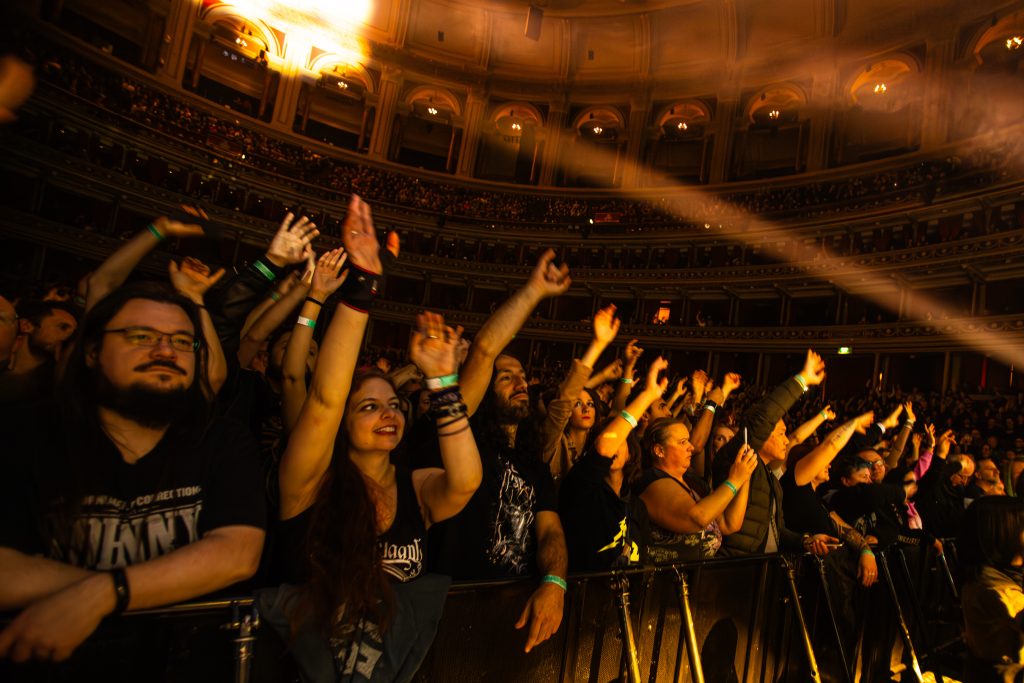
{"x":557,"y":580}
{"x":156,"y":233}
{"x":263,"y":270}
{"x":731,"y":486}
{"x":628,"y":418}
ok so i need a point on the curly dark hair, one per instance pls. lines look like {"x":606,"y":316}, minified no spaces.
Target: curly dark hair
{"x":346,"y":580}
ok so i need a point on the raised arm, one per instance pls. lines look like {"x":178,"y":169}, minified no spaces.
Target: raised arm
{"x":892,"y":460}
{"x":805,"y":430}
{"x":715,"y":400}
{"x":808,"y":466}
{"x":545,"y":280}
{"x":113,"y":272}
{"x":272,"y":318}
{"x":625,"y":386}
{"x":327,"y":277}
{"x":606,"y":326}
{"x":311,"y":443}
{"x":616,"y":432}
{"x":193,"y":280}
{"x":231,"y":304}
{"x":444,"y":492}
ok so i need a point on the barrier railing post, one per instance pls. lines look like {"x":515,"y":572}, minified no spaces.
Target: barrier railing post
{"x":827,"y":592}
{"x":812,"y":662}
{"x":245,"y":626}
{"x":621,"y":583}
{"x":941,"y":558}
{"x":901,"y":623}
{"x":918,"y":610}
{"x":692,"y":651}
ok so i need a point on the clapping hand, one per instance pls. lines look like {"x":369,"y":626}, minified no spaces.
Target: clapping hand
{"x":360,"y":237}
{"x":606,"y":325}
{"x":433,"y":346}
{"x":328,"y":276}
{"x":192,"y":278}
{"x":291,"y":242}
{"x":547,"y":279}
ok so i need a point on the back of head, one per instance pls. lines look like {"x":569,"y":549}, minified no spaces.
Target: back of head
{"x":992,"y":534}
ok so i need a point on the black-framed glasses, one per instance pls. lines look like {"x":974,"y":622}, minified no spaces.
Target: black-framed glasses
{"x":148,"y":337}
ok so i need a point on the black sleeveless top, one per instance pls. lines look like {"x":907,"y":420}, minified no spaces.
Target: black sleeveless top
{"x":403,"y":546}
{"x":664,"y":546}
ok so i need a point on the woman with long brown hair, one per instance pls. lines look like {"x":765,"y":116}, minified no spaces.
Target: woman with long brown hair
{"x":353,"y":525}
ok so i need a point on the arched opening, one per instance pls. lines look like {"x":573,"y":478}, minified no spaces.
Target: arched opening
{"x":593,"y":158}
{"x":680,"y":149}
{"x":426,"y":135}
{"x":510,"y":144}
{"x":883,"y":108}
{"x":774,"y":142}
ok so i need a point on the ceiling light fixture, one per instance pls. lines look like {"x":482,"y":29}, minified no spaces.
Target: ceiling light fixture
{"x":343,"y":85}
{"x":774,"y":114}
{"x":432,"y":111}
{"x":1014,"y":43}
{"x":598,"y":130}
{"x":682,"y":125}
{"x":880,"y":88}
{"x":516,"y":126}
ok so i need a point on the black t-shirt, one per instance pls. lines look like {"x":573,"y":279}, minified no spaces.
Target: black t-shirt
{"x":126,"y":514}
{"x":403,"y":545}
{"x":803,"y":508}
{"x":874,"y":506}
{"x":493,"y":537}
{"x":596,"y":520}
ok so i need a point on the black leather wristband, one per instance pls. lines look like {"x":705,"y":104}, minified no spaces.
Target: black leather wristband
{"x":360,"y":288}
{"x":121,"y":590}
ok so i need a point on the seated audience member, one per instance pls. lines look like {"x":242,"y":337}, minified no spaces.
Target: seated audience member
{"x":572,"y":412}
{"x":44,"y":327}
{"x":595,"y":501}
{"x":685,"y":526}
{"x":354,"y":526}
{"x":133,"y":497}
{"x":764,"y":528}
{"x":510,"y":527}
{"x":991,"y":553}
{"x":941,"y":492}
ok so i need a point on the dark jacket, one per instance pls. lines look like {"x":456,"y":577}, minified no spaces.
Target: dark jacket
{"x":940,"y":504}
{"x":759,"y":422}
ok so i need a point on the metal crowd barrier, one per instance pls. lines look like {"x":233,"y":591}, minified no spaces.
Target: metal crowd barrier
{"x":758,"y":619}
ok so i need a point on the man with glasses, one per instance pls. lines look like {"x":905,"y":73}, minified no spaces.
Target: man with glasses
{"x":125,"y":494}
{"x":941,"y":492}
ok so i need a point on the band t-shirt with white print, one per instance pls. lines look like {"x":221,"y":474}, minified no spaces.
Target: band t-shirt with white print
{"x":127,"y":513}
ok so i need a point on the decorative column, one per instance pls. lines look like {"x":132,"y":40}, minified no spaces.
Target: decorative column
{"x":936,"y":102}
{"x":473,"y":119}
{"x":177,"y":37}
{"x":823,"y":95}
{"x":722,"y":152}
{"x":636,"y":131}
{"x":554,"y":132}
{"x":390,"y":88}
{"x":289,"y":86}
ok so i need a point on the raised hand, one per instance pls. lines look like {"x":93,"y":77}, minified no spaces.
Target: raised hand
{"x":632,"y":352}
{"x":291,"y":242}
{"x":655,"y":386}
{"x":908,"y":408}
{"x":814,"y":369}
{"x":743,"y":466}
{"x":171,"y":228}
{"x":360,"y":237}
{"x":547,"y":279}
{"x":862,"y":422}
{"x":893,"y":419}
{"x":929,"y":430}
{"x":730,"y":383}
{"x":606,"y":325}
{"x":192,"y":278}
{"x":946,"y":441}
{"x":433,"y":346}
{"x":613,"y":370}
{"x":326,"y":278}
{"x":699,"y":380}
{"x":829,"y":414}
